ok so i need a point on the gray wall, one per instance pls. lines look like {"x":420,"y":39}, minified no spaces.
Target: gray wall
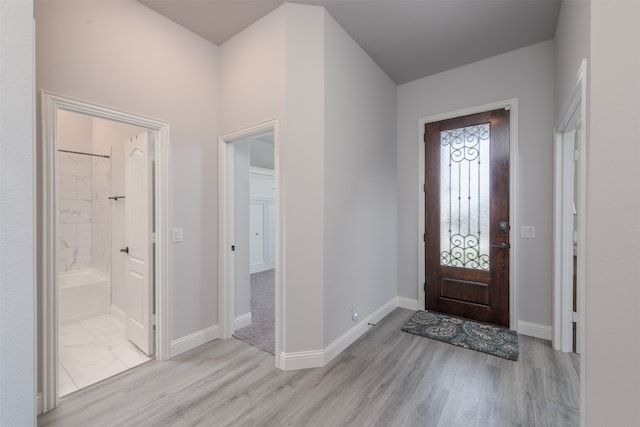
{"x":123,"y":55}
{"x":526,"y":74}
{"x":360,"y":183}
{"x":612,"y":293}
{"x":17,"y":231}
{"x":572,"y":45}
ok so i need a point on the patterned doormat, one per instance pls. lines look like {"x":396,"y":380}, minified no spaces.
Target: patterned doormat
{"x":490,"y":339}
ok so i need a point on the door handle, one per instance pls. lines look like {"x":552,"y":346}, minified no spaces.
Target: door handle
{"x":502,"y":246}
{"x":125,"y":250}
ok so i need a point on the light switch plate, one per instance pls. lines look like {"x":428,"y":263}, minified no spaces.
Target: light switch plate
{"x":176,"y":235}
{"x":528,"y":232}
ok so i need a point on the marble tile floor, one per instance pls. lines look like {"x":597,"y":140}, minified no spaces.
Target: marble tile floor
{"x":93,"y":350}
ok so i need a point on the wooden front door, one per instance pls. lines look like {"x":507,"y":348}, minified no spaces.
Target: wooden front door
{"x":467,"y":217}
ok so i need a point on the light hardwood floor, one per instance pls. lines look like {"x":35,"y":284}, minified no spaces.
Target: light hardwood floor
{"x":386,"y":378}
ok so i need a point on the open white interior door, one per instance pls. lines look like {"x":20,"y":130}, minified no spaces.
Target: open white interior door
{"x":139,"y":229}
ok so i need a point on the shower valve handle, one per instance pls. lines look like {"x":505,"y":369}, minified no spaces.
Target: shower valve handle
{"x":125,"y":250}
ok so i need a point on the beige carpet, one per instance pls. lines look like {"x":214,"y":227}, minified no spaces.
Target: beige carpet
{"x":262,"y":331}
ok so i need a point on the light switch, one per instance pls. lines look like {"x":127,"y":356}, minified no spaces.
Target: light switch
{"x":528,"y":232}
{"x":176,"y":235}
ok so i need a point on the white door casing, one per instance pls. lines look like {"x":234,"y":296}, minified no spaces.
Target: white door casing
{"x":48,"y":256}
{"x":139,"y":229}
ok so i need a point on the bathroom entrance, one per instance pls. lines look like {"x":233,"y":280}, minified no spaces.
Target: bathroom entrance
{"x":104,"y":262}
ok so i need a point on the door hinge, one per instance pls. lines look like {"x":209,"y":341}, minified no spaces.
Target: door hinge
{"x":233,"y":248}
{"x":424,"y":188}
{"x":574,"y":317}
{"x":424,"y":287}
{"x":576,"y":155}
{"x":575,"y":236}
{"x":424,"y":237}
{"x":153,"y":319}
{"x":153,"y":237}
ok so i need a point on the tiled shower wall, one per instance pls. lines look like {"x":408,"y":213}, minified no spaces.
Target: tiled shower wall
{"x":84,"y":186}
{"x":75,"y":211}
{"x":101,"y":212}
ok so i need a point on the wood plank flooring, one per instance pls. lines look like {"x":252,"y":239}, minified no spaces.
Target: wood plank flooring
{"x":386,"y":378}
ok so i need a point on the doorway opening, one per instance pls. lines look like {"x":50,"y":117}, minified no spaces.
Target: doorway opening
{"x":467,"y":216}
{"x":510,"y":105}
{"x":569,"y":225}
{"x":103,"y":249}
{"x":250,"y":272}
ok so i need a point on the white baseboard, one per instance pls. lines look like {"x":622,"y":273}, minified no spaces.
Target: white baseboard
{"x":242,"y":321}
{"x":319,"y":358}
{"x":264,"y":266}
{"x":39,"y":404}
{"x":408,"y":303}
{"x":119,"y":314}
{"x":534,"y":330}
{"x":189,"y":342}
{"x":301,"y":360}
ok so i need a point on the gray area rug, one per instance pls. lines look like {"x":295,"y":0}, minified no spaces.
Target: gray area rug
{"x":490,"y":339}
{"x":262,"y":331}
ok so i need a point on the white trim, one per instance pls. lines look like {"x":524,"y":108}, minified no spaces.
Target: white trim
{"x":319,"y":358}
{"x":535,"y":330}
{"x":563,"y":228}
{"x":301,"y":360}
{"x":242,"y":321}
{"x":196,"y":339}
{"x":408,"y":303}
{"x":119,"y":314}
{"x":226,"y":259}
{"x":357,"y":330}
{"x":39,"y":404}
{"x":262,"y":171}
{"x":575,"y":108}
{"x":512,"y":104}
{"x":263,"y":266}
{"x":50,"y":104}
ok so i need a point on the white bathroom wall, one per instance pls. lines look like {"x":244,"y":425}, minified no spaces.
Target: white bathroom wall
{"x":108,"y":235}
{"x":74,"y":192}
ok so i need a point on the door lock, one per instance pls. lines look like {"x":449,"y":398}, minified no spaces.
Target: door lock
{"x":503,"y":227}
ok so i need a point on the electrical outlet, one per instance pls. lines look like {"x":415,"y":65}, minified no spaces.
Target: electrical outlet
{"x":528,"y":232}
{"x":354,"y":314}
{"x":176,"y":235}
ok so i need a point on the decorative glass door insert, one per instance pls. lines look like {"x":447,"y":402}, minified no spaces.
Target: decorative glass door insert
{"x":464,"y":197}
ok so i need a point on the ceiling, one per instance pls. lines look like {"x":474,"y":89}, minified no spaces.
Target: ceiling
{"x":408,"y":39}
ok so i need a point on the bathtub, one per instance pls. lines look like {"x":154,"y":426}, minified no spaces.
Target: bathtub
{"x":83,"y":294}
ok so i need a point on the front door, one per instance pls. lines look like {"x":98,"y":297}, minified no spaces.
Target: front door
{"x":139,"y":251}
{"x":467,"y":217}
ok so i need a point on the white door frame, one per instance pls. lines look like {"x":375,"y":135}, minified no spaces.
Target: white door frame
{"x":226,"y":258}
{"x":563,"y":184}
{"x":511,"y":104}
{"x":48,"y":263}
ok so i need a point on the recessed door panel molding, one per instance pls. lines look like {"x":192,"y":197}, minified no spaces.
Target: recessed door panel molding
{"x":139,"y":253}
{"x":261,"y":235}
